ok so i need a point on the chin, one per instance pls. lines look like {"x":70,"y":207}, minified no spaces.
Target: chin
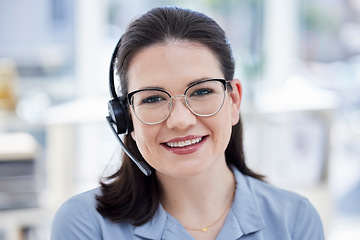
{"x":189,"y":171}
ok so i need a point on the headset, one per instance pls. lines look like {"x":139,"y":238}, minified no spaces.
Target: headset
{"x":118,"y":118}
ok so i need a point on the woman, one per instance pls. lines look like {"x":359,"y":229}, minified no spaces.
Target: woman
{"x":177,"y":73}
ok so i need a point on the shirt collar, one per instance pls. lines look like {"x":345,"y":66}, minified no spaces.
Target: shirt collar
{"x":245,"y":207}
{"x":154,"y":228}
{"x":244,"y":218}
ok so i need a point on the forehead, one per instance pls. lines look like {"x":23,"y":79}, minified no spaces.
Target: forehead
{"x":172,"y":63}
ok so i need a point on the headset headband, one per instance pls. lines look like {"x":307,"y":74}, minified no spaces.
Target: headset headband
{"x":111,"y":72}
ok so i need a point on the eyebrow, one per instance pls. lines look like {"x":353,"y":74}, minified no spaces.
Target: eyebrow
{"x":198,"y":80}
{"x":161,"y":88}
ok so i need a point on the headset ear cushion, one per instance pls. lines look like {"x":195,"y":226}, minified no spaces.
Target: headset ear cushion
{"x":130,"y":126}
{"x":118,"y":114}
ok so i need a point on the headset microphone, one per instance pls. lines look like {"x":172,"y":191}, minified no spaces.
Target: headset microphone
{"x":141,"y":165}
{"x":118,"y":116}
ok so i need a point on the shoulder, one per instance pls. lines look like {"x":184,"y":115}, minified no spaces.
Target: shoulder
{"x":272,"y":196}
{"x":77,"y":216}
{"x":281,"y":213}
{"x":266,"y":194}
{"x":287,"y":209}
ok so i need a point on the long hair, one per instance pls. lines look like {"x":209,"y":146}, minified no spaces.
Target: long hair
{"x":131,"y":196}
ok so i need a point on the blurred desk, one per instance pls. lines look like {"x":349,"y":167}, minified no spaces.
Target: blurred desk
{"x":19,"y":171}
{"x":20,"y":183}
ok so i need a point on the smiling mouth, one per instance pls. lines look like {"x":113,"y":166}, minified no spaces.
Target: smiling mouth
{"x":186,"y":143}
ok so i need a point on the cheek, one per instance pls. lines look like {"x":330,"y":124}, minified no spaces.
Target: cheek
{"x":232,"y":112}
{"x":145,"y":136}
{"x":231,"y":115}
{"x":226,"y":120}
{"x":140,"y":134}
{"x":221,"y":124}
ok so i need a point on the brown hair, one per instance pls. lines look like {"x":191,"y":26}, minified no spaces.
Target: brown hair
{"x":130,"y":195}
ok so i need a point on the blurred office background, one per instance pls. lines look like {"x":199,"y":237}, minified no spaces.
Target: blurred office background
{"x":298,"y":60}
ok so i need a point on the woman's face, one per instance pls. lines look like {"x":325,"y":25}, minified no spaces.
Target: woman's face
{"x":173,"y":67}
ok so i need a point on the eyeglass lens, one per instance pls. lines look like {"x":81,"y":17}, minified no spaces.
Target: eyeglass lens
{"x":203,"y":99}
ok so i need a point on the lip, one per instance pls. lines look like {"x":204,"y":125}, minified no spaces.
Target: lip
{"x":187,"y":149}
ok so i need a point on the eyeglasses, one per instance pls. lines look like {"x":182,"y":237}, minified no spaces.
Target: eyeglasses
{"x":203,"y":98}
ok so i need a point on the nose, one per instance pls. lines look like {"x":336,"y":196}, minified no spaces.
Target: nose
{"x":180,"y":115}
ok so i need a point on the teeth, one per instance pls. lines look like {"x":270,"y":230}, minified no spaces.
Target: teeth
{"x":184,"y":143}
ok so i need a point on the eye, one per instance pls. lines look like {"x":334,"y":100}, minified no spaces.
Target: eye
{"x":201,"y":92}
{"x":152,"y":99}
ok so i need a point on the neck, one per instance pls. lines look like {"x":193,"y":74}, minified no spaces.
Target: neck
{"x":200,"y":198}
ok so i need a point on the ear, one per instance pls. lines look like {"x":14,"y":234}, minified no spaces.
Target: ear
{"x":235,"y":96}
